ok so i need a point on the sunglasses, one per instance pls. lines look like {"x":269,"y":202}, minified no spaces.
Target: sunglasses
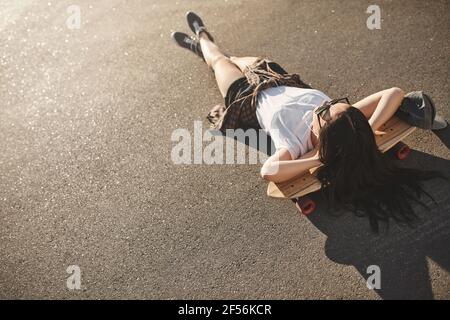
{"x":322,"y":110}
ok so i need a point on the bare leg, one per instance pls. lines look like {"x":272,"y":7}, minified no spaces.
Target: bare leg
{"x":243,"y":62}
{"x":226,"y":72}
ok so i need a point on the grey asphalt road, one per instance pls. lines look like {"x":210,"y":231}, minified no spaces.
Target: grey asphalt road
{"x":86,"y":119}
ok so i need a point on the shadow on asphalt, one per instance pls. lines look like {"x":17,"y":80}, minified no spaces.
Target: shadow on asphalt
{"x":444,"y":136}
{"x":401,"y":252}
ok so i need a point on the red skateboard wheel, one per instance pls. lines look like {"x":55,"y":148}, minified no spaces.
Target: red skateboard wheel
{"x":305,"y":205}
{"x":403,"y":152}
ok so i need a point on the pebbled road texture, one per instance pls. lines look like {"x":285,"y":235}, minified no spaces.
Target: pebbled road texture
{"x":86,"y":119}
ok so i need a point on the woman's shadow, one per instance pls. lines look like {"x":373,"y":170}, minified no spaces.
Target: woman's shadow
{"x":400,"y":252}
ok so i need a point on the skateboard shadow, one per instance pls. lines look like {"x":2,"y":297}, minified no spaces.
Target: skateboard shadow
{"x":402,"y":253}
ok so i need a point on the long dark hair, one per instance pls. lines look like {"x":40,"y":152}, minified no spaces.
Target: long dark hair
{"x":357,"y":176}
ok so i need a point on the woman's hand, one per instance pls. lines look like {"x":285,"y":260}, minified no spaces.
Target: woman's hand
{"x":316,"y":155}
{"x":379,"y":133}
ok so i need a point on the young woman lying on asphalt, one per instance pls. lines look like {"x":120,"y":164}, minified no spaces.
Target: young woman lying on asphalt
{"x":309,"y":129}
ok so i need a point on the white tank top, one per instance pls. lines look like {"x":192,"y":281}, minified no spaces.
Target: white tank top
{"x":286,"y":115}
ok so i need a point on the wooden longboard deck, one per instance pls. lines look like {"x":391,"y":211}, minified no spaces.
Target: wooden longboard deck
{"x":396,"y":130}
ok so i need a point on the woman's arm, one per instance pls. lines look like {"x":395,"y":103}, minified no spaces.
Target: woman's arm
{"x":280,"y":166}
{"x":381,"y":106}
{"x":378,"y":108}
